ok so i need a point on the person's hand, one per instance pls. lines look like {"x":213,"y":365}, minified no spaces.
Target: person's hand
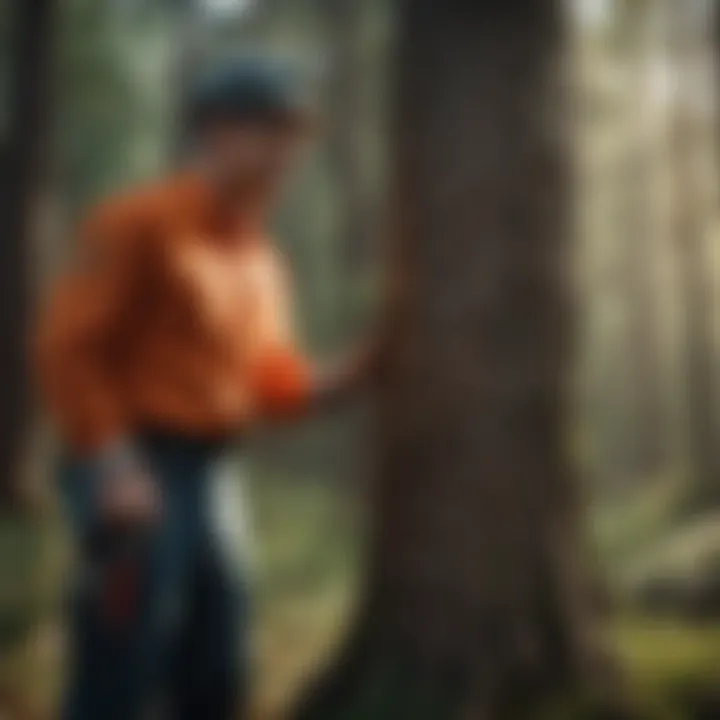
{"x":130,"y":499}
{"x":367,"y":364}
{"x":128,"y":494}
{"x":358,"y":370}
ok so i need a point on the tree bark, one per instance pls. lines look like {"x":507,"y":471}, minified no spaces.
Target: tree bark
{"x":479,"y":602}
{"x":23,"y":167}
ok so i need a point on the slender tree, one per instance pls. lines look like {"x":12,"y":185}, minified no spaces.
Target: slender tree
{"x":478,"y":602}
{"x":23,"y":165}
{"x":190,"y":48}
{"x":684,"y":23}
{"x":648,"y":408}
{"x":343,"y":21}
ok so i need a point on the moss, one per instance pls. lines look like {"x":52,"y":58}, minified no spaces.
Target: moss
{"x":673,"y":669}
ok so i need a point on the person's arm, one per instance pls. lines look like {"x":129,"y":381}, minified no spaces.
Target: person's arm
{"x":80,"y":337}
{"x":344,"y":377}
{"x":285,"y":382}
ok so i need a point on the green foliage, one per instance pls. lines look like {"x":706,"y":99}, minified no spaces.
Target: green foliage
{"x":111,"y":102}
{"x":21,"y":601}
{"x":627,"y":527}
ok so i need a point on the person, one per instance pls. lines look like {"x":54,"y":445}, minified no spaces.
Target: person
{"x":166,"y":340}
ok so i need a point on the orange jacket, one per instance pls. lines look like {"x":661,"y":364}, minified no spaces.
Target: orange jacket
{"x":170,"y":318}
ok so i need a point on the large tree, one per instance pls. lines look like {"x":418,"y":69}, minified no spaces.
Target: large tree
{"x":479,"y":600}
{"x":23,"y":165}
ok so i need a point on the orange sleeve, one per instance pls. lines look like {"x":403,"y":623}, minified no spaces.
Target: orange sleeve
{"x":81,"y":326}
{"x":281,"y":377}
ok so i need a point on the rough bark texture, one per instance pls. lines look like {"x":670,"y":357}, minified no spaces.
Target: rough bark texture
{"x":22,"y":169}
{"x":479,"y":602}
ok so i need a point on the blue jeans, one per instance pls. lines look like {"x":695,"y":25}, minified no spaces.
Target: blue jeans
{"x":157,"y":621}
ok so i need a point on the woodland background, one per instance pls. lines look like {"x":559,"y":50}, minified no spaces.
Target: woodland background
{"x":442,"y":125}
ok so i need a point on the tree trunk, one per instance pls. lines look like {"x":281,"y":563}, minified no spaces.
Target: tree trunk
{"x":190,"y":48}
{"x":648,"y":443}
{"x":343,"y":22}
{"x":690,"y":232}
{"x":479,"y":601}
{"x":23,"y":167}
{"x":347,"y":157}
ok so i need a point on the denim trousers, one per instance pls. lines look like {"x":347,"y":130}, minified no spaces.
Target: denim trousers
{"x":158,"y":621}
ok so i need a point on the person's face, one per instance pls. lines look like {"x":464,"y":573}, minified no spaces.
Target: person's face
{"x":254,"y":155}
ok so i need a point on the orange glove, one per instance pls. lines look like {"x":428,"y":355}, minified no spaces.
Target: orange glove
{"x":281,"y":384}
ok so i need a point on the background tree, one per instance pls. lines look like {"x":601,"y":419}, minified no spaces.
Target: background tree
{"x":684,"y":24}
{"x":23,"y":166}
{"x":649,"y":443}
{"x":344,"y":22}
{"x":478,"y":600}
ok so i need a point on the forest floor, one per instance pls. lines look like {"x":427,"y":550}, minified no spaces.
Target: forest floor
{"x":307,"y":560}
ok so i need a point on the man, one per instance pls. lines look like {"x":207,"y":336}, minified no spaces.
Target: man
{"x":169,"y":337}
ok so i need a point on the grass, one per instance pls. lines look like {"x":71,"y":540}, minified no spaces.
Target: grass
{"x":673,"y":669}
{"x":305,"y":585}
